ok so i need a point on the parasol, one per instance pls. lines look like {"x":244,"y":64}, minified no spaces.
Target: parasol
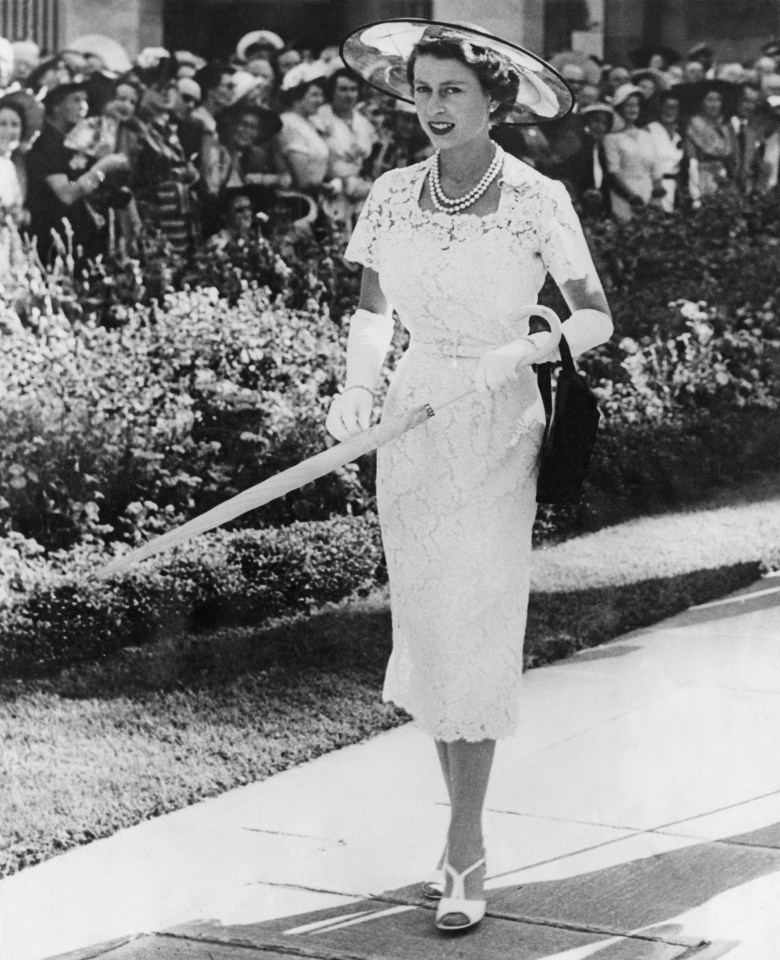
{"x":317,"y":466}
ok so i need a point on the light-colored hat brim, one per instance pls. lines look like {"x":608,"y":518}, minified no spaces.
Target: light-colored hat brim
{"x":379,"y":53}
{"x":265,"y":37}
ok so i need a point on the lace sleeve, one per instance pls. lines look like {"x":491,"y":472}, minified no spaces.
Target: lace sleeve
{"x":362,"y":247}
{"x":563,"y":248}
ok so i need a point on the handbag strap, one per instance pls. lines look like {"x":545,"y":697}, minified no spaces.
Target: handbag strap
{"x":544,"y":375}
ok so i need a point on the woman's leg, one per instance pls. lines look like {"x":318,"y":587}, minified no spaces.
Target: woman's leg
{"x":444,"y":760}
{"x":469,"y":766}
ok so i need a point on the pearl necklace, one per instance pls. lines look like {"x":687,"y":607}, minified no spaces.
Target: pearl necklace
{"x":447,"y":204}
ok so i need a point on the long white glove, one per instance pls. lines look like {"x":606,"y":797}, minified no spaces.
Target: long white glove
{"x":367,"y":345}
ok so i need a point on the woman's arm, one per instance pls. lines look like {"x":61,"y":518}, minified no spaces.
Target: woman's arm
{"x":370,"y":333}
{"x":305,"y":170}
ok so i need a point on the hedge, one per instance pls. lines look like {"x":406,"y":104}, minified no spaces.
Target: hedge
{"x":67,"y":615}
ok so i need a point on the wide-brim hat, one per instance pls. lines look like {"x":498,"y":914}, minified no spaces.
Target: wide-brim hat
{"x":258,"y":38}
{"x":379,"y":52}
{"x":55,"y":95}
{"x":691,"y":95}
{"x":605,"y":109}
{"x":624,"y":91}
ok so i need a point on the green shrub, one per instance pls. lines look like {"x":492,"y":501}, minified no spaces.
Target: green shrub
{"x":64,"y":614}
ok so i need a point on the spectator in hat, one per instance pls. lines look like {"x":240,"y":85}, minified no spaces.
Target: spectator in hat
{"x":61,"y":182}
{"x":237,"y":219}
{"x":188,"y":64}
{"x":710,"y":146}
{"x":163,"y":176}
{"x":632,"y":160}
{"x":258,"y":45}
{"x":693,"y":71}
{"x":350,"y":138}
{"x":615,"y":77}
{"x":242,"y":156}
{"x":27,"y":56}
{"x":300,"y":148}
{"x":585,"y":174}
{"x":667,"y":135}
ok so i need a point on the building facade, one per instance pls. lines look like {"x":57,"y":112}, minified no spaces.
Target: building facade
{"x":611,"y":29}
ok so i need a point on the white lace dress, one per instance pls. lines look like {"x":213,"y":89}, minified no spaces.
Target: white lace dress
{"x":457,"y":496}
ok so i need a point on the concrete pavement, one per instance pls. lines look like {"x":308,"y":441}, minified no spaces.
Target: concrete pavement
{"x":637,"y":815}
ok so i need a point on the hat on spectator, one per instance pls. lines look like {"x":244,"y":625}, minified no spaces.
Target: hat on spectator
{"x":380,"y":53}
{"x":26,"y":51}
{"x":771,"y":48}
{"x":244,"y":83}
{"x":56,"y":95}
{"x":771,"y":88}
{"x":187,"y":87}
{"x":304,"y":73}
{"x":599,"y":107}
{"x":624,"y":91}
{"x":154,"y":66}
{"x":256,"y":41}
{"x":187,"y":56}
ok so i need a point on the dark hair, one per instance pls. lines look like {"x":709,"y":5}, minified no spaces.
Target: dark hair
{"x":496,"y":75}
{"x":334,"y":78}
{"x":294,"y":94}
{"x":19,"y":111}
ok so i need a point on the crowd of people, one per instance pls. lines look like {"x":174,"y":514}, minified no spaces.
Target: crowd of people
{"x":95,"y":153}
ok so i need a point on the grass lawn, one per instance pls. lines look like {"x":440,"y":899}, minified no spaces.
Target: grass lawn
{"x":101,"y":747}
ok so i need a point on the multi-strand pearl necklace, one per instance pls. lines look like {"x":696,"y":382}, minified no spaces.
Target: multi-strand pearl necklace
{"x":446,"y":204}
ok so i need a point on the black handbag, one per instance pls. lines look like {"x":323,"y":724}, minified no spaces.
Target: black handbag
{"x":570,"y":435}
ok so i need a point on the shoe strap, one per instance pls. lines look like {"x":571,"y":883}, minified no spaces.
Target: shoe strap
{"x":459,"y":879}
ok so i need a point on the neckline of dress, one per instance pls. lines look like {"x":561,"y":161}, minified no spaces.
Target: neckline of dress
{"x":420,"y":184}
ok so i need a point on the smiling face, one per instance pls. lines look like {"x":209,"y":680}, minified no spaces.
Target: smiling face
{"x":245,"y":131}
{"x":10,"y":130}
{"x":631,"y":108}
{"x":451,"y":103}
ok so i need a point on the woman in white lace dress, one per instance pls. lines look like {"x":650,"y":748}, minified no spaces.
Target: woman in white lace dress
{"x":456,"y":496}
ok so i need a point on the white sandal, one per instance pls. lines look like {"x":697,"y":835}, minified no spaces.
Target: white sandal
{"x":473,"y":910}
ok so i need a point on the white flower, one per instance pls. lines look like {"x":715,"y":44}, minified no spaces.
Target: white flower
{"x":692,"y":311}
{"x":627,"y":345}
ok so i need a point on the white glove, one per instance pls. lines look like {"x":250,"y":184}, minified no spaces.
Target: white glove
{"x":367,"y":345}
{"x":499,"y":367}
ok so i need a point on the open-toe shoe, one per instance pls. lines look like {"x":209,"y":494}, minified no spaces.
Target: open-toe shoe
{"x":456,"y":905}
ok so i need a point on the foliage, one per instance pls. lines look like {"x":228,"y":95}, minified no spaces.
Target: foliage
{"x":62,"y":613}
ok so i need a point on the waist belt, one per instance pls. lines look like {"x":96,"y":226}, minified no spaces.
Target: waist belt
{"x":453,"y":347}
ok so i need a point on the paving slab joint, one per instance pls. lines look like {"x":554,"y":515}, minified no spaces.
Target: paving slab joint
{"x":268,"y":946}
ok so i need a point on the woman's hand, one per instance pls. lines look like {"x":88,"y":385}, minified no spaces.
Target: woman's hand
{"x":350,"y":413}
{"x":498,"y":367}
